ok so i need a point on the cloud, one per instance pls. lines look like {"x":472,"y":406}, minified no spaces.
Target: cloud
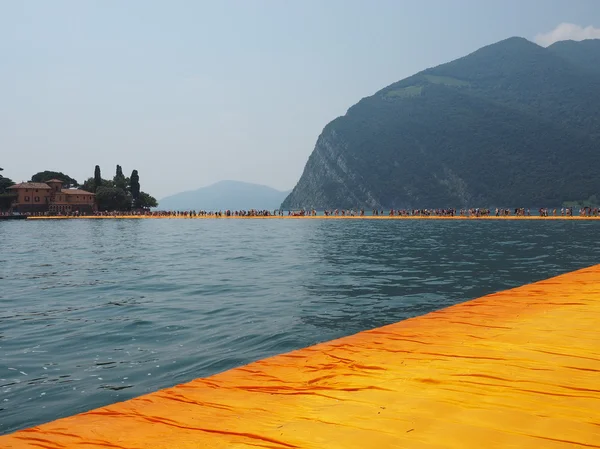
{"x":567,"y":31}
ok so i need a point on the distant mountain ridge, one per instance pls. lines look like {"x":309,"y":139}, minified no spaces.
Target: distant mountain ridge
{"x":223,"y":195}
{"x":585,"y":54}
{"x":511,"y":124}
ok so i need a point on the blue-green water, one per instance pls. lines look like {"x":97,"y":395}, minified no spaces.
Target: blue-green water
{"x":96,"y":311}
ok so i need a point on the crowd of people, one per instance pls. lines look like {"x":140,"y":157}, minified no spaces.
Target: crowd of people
{"x":450,"y":212}
{"x":473,"y":212}
{"x":217,"y":214}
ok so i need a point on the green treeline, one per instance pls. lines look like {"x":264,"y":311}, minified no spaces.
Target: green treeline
{"x":119,"y":193}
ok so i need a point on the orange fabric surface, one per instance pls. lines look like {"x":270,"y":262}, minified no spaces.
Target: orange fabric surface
{"x":519,"y":369}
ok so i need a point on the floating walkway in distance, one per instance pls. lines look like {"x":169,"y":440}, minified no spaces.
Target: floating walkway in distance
{"x":310,"y":217}
{"x":518,"y":369}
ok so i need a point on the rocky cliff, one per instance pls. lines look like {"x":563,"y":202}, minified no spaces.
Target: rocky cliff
{"x":512,"y":124}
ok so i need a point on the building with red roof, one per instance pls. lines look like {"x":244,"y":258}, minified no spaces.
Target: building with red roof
{"x":49,"y":196}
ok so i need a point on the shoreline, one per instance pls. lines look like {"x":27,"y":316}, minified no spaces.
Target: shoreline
{"x":310,"y":217}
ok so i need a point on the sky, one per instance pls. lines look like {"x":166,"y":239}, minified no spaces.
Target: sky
{"x":191,"y":92}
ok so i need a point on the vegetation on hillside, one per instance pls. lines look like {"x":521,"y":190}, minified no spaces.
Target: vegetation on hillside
{"x":585,"y":54}
{"x":512,"y":124}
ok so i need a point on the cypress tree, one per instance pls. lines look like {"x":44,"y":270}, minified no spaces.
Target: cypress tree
{"x":97,"y":177}
{"x":119,"y":179}
{"x":135,"y":187}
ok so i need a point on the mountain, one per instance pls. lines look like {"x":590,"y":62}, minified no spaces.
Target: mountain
{"x":232,"y":195}
{"x":586,"y":53}
{"x":512,"y":124}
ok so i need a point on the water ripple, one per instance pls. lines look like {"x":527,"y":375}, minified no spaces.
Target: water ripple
{"x":94,"y":312}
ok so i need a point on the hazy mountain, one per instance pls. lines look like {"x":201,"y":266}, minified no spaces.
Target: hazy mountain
{"x":223,"y":195}
{"x":584,"y":53}
{"x":511,"y":124}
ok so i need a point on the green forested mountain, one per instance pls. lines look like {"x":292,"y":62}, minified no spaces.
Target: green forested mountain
{"x":512,"y":124}
{"x":585,"y":54}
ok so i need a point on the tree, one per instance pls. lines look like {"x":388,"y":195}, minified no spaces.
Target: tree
{"x":44,"y":176}
{"x":6,"y":197}
{"x":6,"y":200}
{"x":134,"y":181}
{"x":89,"y":185}
{"x":146,"y":201}
{"x":5,"y":183}
{"x":119,"y":180}
{"x":112,"y":198}
{"x":97,"y":177}
{"x":121,"y":193}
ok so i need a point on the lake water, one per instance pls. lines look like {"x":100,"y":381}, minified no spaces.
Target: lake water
{"x":98,"y":311}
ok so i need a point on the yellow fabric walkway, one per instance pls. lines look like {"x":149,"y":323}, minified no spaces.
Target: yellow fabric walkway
{"x":518,"y":369}
{"x":309,"y":217}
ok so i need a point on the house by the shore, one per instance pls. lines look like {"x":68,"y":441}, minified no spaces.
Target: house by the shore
{"x":49,"y":196}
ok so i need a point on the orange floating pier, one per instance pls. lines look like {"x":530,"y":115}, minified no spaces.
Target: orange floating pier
{"x":518,"y":369}
{"x":315,"y":217}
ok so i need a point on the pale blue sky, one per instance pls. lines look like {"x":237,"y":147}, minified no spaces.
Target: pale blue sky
{"x":193,"y":92}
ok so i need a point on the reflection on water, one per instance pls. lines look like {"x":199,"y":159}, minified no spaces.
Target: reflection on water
{"x":98,"y":311}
